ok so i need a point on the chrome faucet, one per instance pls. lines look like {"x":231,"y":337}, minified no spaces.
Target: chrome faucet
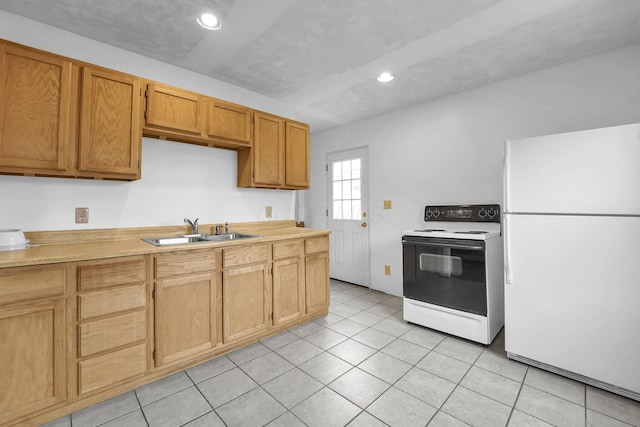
{"x":218,"y":228}
{"x":194,"y":225}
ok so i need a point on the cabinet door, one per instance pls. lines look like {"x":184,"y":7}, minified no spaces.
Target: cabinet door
{"x":184,"y":317}
{"x":268,"y":150}
{"x":288,"y":290}
{"x":246,"y":301}
{"x":317,"y":281}
{"x":32,"y":359}
{"x":229,"y":121}
{"x":110,"y":131}
{"x":174,"y":109}
{"x":297,"y":155}
{"x":35,"y":110}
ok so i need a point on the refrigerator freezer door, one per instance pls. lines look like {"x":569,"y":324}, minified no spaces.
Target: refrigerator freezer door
{"x":586,"y":172}
{"x":574,"y":297}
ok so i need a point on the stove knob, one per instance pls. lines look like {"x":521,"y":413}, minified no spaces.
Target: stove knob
{"x":428,"y":213}
{"x":492,"y":213}
{"x":482,"y":213}
{"x":436,"y":213}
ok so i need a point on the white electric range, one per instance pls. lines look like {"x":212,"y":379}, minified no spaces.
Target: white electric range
{"x":453,"y":271}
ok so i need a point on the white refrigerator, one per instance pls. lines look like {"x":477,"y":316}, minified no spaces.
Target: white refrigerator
{"x":572,"y":255}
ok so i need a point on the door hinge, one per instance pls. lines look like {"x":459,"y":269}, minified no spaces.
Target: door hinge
{"x":326,"y":167}
{"x":326,"y":213}
{"x":154,"y":355}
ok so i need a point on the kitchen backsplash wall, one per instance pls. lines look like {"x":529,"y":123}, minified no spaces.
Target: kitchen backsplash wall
{"x":450,"y":151}
{"x":178,"y":180}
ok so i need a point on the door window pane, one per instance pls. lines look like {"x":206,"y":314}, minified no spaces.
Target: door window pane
{"x":346,"y":189}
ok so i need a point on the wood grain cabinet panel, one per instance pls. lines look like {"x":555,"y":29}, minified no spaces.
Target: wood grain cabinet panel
{"x":229,"y":121}
{"x":296,"y":155}
{"x":279,"y":157}
{"x":174,"y":109}
{"x":103,"y":371}
{"x":112,"y":272}
{"x":185,"y":317}
{"x":112,"y":322}
{"x":112,"y":332}
{"x":110,"y":130}
{"x":288,"y":281}
{"x":35,"y":111}
{"x":268,"y":150}
{"x":32,"y":358}
{"x":111,"y":301}
{"x":246,"y":301}
{"x":27,"y":283}
{"x":173,"y":264}
{"x":316,"y":275}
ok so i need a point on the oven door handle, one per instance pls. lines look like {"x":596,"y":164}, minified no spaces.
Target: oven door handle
{"x":444,"y":245}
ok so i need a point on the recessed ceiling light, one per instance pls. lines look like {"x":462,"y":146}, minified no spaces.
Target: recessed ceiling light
{"x":385,"y":77}
{"x":209,"y":21}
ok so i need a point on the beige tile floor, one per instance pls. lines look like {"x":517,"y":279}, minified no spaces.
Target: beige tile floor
{"x":362,"y":365}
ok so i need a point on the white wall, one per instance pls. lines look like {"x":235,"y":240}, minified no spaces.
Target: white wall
{"x":450,"y":151}
{"x":178,"y":180}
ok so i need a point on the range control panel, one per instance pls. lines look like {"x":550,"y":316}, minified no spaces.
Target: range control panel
{"x":463,"y":213}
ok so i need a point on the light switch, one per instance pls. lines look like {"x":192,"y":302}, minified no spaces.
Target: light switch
{"x":387,"y":204}
{"x":387,"y":270}
{"x":269,"y":212}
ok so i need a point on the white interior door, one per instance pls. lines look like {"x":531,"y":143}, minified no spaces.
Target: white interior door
{"x":347,"y":175}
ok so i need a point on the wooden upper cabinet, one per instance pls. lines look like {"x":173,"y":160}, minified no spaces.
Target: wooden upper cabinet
{"x":174,"y":109}
{"x":35,"y":111}
{"x":229,"y":121}
{"x":279,"y":157}
{"x":297,"y":155}
{"x":110,"y":131}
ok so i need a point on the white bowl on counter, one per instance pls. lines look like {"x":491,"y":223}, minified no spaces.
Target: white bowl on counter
{"x":12,"y":239}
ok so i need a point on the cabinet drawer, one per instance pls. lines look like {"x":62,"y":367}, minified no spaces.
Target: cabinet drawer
{"x":110,"y":368}
{"x":111,"y":301}
{"x":110,"y":333}
{"x":25,"y":283}
{"x":245,"y":255}
{"x":319,"y":244}
{"x":288,"y":249}
{"x":186,"y":262}
{"x":113,"y":272}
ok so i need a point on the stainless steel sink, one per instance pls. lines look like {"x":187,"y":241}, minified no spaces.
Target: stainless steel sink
{"x":196,"y":238}
{"x":227,"y":236}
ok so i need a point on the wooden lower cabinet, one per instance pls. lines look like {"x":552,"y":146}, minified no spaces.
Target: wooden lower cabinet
{"x":111,"y":322}
{"x":76,"y":333}
{"x":288,"y":281}
{"x":186,"y":313}
{"x":33,"y":358}
{"x":317,"y":274}
{"x":246,"y":291}
{"x":185,"y":317}
{"x":33,"y":339}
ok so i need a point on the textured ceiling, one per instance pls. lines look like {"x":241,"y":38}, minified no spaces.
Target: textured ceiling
{"x":322,"y":56}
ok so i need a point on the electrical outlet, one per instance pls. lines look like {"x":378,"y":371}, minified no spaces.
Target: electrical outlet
{"x":269,"y":212}
{"x":387,"y":204}
{"x":82,"y":215}
{"x":387,"y":270}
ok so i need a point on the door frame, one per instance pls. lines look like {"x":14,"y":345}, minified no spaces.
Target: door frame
{"x":364,"y":173}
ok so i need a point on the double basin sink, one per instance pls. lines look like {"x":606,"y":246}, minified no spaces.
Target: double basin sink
{"x":197,"y":238}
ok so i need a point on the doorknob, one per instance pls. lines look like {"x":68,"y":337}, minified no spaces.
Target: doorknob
{"x":364,"y":224}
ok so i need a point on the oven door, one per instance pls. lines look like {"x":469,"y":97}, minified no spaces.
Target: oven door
{"x":445,"y":272}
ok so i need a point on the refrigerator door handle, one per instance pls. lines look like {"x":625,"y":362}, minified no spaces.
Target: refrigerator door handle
{"x":507,"y":249}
